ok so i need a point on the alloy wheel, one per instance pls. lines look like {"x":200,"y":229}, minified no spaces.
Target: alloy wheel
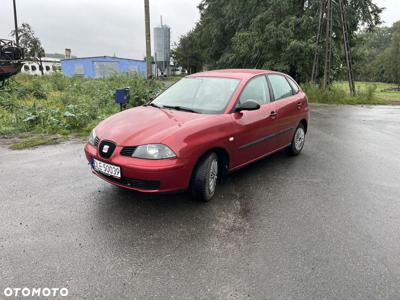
{"x":212,"y":182}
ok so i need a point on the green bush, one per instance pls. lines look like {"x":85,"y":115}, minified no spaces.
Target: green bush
{"x":339,"y":94}
{"x":58,"y":104}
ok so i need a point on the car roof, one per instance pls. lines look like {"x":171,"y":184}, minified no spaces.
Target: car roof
{"x":233,"y":73}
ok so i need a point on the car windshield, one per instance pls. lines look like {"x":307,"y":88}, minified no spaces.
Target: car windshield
{"x":207,"y":95}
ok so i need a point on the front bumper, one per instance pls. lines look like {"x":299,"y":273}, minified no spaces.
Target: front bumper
{"x":147,"y":176}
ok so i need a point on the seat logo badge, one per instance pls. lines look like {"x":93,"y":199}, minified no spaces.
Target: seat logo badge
{"x":231,"y":139}
{"x":105,"y":148}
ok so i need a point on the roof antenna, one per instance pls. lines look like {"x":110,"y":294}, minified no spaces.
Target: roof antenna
{"x":161,"y":20}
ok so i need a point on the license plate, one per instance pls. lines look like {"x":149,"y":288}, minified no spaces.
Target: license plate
{"x":107,"y":169}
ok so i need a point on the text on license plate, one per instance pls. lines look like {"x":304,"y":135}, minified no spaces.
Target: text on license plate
{"x":107,"y":169}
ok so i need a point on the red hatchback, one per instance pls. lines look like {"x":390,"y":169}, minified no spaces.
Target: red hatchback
{"x":205,"y":125}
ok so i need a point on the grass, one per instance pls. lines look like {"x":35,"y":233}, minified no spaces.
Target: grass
{"x":35,"y":142}
{"x":60,"y":105}
{"x":380,"y":93}
{"x":369,"y":93}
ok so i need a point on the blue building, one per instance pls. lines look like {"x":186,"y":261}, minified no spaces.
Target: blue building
{"x":101,"y":66}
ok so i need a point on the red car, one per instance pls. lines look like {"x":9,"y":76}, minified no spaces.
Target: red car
{"x":205,"y":125}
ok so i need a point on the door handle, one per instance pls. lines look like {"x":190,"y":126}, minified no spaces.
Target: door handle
{"x":273,"y":114}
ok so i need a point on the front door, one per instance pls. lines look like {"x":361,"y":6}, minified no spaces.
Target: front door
{"x":254,"y":130}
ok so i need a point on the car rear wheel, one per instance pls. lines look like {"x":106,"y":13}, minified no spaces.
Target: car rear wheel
{"x":298,"y":141}
{"x":205,"y":177}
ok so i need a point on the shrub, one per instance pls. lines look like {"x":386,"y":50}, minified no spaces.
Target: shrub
{"x":339,"y":94}
{"x":58,"y":104}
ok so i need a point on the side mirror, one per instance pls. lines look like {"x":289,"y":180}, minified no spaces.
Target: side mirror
{"x":247,"y":105}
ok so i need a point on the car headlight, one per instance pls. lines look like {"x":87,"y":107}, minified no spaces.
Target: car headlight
{"x":92,"y":138}
{"x":153,"y":151}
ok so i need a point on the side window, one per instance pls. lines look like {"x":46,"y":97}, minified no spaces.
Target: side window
{"x":293,"y":84}
{"x":280,"y":86}
{"x":257,"y":90}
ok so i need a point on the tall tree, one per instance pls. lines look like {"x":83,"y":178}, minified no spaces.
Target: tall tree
{"x":33,"y":48}
{"x":188,"y":54}
{"x":393,"y":58}
{"x":29,"y":41}
{"x":370,"y":52}
{"x":273,"y":34}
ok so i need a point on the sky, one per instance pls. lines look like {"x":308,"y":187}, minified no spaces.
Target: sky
{"x":111,"y":27}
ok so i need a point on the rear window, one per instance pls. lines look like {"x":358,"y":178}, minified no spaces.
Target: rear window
{"x":280,"y":86}
{"x":294,"y":85}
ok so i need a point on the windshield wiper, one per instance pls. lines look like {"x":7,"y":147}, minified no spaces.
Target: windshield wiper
{"x":180,"y":108}
{"x":153,"y":105}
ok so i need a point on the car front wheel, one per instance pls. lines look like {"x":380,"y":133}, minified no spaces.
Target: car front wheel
{"x":298,"y":141}
{"x":205,"y":177}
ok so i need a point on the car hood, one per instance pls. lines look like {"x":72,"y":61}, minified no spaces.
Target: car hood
{"x":144,"y":125}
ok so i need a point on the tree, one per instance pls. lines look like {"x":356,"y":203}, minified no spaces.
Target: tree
{"x":32,"y":46}
{"x":393,"y":58}
{"x":270,"y":34}
{"x":369,"y":54}
{"x":188,"y":53}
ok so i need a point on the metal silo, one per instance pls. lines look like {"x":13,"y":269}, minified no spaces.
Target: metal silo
{"x":162,"y":48}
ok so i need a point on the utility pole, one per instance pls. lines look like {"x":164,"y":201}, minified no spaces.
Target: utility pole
{"x":316,"y":54}
{"x":148,"y":42}
{"x":16,"y":24}
{"x":326,"y":10}
{"x":328,"y":46}
{"x":347,"y":48}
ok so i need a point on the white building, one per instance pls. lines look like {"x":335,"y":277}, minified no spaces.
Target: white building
{"x":50,"y":65}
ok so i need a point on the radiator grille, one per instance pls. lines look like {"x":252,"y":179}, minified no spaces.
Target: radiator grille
{"x":96,"y":141}
{"x":135,"y":183}
{"x":128,"y":151}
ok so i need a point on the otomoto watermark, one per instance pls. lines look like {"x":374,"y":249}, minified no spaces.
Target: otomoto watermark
{"x":35,"y":292}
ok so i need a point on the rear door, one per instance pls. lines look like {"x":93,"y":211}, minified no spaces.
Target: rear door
{"x":288,"y":101}
{"x":254,"y":130}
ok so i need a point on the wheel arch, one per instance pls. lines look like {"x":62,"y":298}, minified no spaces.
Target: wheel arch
{"x":223,"y":160}
{"x":305,"y":124}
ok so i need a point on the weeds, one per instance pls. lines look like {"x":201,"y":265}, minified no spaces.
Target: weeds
{"x":58,"y":104}
{"x":34,"y":142}
{"x":338,"y":94}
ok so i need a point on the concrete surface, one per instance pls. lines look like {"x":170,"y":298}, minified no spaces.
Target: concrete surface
{"x":325,"y":224}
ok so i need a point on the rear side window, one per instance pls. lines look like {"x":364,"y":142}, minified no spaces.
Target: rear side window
{"x":293,"y":84}
{"x":257,"y":90}
{"x":280,"y":86}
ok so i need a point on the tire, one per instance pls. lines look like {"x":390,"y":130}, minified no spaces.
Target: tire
{"x":297,"y":141}
{"x":205,"y":176}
